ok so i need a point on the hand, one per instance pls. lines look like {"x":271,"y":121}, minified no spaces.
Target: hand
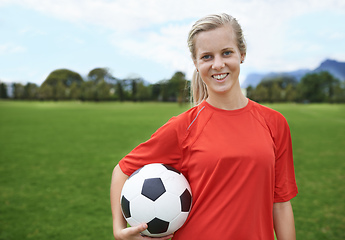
{"x":133,"y":233}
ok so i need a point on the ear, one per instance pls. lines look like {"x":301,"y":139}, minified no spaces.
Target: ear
{"x":243,"y":56}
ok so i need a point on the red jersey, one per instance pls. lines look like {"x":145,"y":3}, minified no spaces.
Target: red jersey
{"x":238,"y":163}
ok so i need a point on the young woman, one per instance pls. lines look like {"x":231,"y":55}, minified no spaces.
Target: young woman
{"x":235,"y":153}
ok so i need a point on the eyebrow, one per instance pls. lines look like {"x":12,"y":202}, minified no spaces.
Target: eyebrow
{"x":205,"y":53}
{"x":227,"y":48}
{"x":224,"y":49}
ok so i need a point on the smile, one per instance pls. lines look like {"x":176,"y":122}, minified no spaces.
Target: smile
{"x":220,"y":76}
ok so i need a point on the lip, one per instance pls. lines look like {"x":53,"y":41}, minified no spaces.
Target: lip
{"x":222,"y":75}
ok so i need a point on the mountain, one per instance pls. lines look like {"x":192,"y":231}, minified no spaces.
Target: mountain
{"x":337,"y":69}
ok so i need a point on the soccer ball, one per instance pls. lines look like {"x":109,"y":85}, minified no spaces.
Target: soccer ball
{"x":159,"y":195}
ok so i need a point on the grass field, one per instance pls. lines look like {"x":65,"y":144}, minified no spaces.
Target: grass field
{"x":56,"y":160}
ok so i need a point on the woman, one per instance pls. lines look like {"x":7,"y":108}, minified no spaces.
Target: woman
{"x":235,"y":153}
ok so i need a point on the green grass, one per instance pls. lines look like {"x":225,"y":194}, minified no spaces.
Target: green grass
{"x":318,"y":135}
{"x":56,"y":160}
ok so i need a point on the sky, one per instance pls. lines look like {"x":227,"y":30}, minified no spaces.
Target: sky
{"x":148,"y":38}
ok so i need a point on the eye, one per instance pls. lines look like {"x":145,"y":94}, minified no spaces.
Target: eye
{"x":227,"y":53}
{"x":206,"y":57}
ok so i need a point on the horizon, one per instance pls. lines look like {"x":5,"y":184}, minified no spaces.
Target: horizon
{"x":148,"y":40}
{"x":262,"y":74}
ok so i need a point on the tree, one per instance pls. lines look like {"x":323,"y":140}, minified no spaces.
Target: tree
{"x":174,"y":89}
{"x":67,"y":77}
{"x":134,"y":89}
{"x":276,"y":87}
{"x":250,"y":92}
{"x":156,"y":92}
{"x":60,"y":81}
{"x":143,"y":92}
{"x":339,"y":92}
{"x":290,"y":93}
{"x":31,"y":91}
{"x":277,"y":93}
{"x":60,"y":91}
{"x":46,"y":92}
{"x":101,"y":74}
{"x":102,"y":91}
{"x":3,"y":90}
{"x":261,"y":94}
{"x":100,"y":83}
{"x":329,"y":85}
{"x":177,"y":86}
{"x":282,"y":81}
{"x":119,"y":91}
{"x":88,"y":91}
{"x":18,"y":91}
{"x":74,"y":91}
{"x":317,"y":87}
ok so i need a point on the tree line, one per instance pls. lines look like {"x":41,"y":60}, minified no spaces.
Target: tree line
{"x":313,"y":87}
{"x":100,"y":85}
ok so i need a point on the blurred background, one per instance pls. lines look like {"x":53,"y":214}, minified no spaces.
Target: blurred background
{"x":82,"y":82}
{"x":145,"y":41}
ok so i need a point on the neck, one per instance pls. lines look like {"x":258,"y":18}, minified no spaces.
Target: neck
{"x":233,"y":101}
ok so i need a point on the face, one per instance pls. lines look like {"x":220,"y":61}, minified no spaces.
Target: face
{"x":218,"y":60}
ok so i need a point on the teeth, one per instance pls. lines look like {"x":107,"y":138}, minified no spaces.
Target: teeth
{"x":220,"y":76}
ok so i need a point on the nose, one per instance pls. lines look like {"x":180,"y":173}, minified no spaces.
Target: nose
{"x":218,"y":63}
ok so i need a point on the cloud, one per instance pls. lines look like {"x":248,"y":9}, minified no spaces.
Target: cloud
{"x":133,"y":15}
{"x":31,"y":31}
{"x":157,"y":30}
{"x":167,"y":46}
{"x":10,"y":48}
{"x":121,"y":15}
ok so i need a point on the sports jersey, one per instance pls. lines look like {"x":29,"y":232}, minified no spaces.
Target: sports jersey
{"x":238,"y":163}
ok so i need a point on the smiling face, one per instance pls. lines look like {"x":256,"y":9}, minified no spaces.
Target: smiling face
{"x":218,"y":59}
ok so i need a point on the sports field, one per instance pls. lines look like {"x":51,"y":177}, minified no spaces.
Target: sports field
{"x":56,"y":160}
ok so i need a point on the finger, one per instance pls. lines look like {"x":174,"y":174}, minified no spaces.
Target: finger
{"x":161,"y":238}
{"x":137,"y":229}
{"x":167,"y":237}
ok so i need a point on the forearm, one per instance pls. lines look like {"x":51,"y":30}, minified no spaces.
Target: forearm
{"x":283,"y":219}
{"x":118,"y":179}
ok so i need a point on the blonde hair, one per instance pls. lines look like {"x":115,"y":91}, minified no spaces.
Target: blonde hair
{"x":210,"y":22}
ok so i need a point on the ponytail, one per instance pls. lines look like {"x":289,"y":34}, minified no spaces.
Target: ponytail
{"x":198,"y":89}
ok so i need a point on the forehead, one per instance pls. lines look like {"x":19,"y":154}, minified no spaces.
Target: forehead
{"x":215,"y":39}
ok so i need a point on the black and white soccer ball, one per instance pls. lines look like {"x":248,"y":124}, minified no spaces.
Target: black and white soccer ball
{"x":159,"y":195}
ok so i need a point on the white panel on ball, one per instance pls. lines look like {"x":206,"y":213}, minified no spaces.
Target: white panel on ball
{"x":164,"y":213}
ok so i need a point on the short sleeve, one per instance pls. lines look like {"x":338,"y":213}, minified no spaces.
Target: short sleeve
{"x":285,"y":182}
{"x":162,"y":147}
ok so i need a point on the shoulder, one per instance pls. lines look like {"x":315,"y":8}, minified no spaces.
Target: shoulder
{"x":184,"y":120}
{"x":273,"y":120}
{"x":181,"y":123}
{"x":270,"y":115}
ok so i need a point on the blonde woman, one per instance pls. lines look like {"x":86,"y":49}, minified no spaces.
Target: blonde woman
{"x":235,"y":153}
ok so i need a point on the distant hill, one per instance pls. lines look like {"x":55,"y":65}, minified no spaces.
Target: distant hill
{"x":337,"y":69}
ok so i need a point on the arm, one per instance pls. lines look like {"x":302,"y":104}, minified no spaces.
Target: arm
{"x":283,"y":220}
{"x":117,"y":182}
{"x":120,"y":229}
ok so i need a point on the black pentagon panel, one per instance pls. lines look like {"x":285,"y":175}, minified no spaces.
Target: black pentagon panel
{"x":171,"y":168}
{"x":135,"y":173}
{"x":153,"y":188}
{"x":186,"y":201}
{"x":125,"y":207}
{"x":157,"y":226}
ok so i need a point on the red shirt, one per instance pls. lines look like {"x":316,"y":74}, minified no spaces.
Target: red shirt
{"x":238,"y":164}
